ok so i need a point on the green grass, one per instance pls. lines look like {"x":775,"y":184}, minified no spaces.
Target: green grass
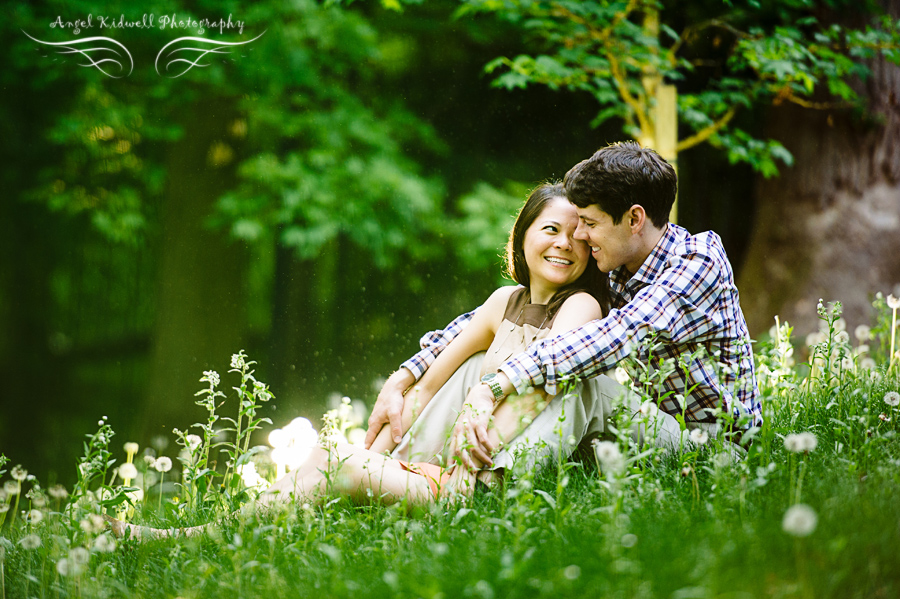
{"x":673,"y":525}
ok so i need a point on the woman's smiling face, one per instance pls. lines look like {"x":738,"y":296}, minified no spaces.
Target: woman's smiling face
{"x":553,"y":255}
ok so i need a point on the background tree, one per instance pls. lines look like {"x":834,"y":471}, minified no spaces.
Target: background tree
{"x":727,"y":59}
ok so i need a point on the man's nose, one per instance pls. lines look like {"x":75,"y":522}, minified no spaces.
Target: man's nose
{"x":581,"y":232}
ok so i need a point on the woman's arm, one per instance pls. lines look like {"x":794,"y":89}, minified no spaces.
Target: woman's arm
{"x":475,"y":337}
{"x":507,"y":423}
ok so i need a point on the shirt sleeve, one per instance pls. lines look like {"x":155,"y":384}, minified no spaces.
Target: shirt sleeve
{"x":679,"y":307}
{"x":433,"y":344}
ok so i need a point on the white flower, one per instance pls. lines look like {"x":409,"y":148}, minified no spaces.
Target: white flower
{"x":610,"y":456}
{"x":18,"y":473}
{"x":79,"y":556}
{"x":163,"y":464}
{"x":30,"y":542}
{"x":699,"y":436}
{"x":104,"y":544}
{"x":128,"y":471}
{"x":842,"y":337}
{"x":800,"y":442}
{"x":622,"y":377}
{"x":862,"y":333}
{"x":131,"y":448}
{"x":893,"y":302}
{"x":211,"y":377}
{"x":649,"y":409}
{"x":62,"y":566}
{"x":892,"y":398}
{"x":799,"y":520}
{"x":150,"y":461}
{"x":11,"y":487}
{"x":193,"y":441}
{"x":58,"y":492}
{"x":867,"y":363}
{"x":237,"y":361}
{"x":35,"y":516}
{"x":93,"y":524}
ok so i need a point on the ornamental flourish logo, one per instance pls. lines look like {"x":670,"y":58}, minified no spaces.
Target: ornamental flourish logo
{"x":174,"y":59}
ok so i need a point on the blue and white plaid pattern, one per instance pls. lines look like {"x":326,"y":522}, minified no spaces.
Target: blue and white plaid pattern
{"x":684,"y":293}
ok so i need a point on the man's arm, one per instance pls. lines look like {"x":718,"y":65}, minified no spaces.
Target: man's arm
{"x":679,"y":307}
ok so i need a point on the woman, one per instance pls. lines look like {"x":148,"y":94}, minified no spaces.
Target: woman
{"x":560,"y":289}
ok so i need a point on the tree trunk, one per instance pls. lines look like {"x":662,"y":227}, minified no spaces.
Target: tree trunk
{"x":830,"y":226}
{"x":200,"y":316}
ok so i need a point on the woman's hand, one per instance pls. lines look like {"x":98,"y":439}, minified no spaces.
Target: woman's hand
{"x":470,"y":441}
{"x":388,"y":407}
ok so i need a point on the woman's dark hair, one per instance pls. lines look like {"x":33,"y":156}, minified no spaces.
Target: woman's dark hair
{"x":592,"y":281}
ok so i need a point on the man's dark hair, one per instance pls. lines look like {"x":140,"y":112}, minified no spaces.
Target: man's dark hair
{"x":621,"y":175}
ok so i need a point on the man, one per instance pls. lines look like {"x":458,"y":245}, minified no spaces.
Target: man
{"x":665,"y":283}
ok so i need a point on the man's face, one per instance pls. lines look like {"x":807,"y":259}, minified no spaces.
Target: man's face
{"x":611,"y":245}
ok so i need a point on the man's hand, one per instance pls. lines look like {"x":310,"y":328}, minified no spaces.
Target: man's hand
{"x":470,"y":441}
{"x":389,"y":407}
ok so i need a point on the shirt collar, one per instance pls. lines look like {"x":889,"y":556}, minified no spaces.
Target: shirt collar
{"x":655,"y":263}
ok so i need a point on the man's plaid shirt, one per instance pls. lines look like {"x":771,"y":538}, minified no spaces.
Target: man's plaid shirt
{"x":684,"y":293}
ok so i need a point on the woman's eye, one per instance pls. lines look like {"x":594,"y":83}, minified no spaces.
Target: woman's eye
{"x":551,"y":228}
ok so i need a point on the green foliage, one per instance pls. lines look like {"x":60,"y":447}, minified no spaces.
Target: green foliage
{"x":728,"y":59}
{"x":486,"y":215}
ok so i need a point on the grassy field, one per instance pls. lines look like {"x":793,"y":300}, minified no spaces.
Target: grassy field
{"x":812,"y":510}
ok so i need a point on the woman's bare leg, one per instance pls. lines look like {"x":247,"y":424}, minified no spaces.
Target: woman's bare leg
{"x":338,"y":470}
{"x":346,"y":470}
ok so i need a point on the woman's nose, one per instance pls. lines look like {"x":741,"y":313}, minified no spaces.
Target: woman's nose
{"x":563,"y":242}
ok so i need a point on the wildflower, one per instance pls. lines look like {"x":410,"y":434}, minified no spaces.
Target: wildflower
{"x":884,"y":417}
{"x":11,"y":487}
{"x":685,"y":470}
{"x":867,"y":364}
{"x":842,"y":337}
{"x":150,"y":461}
{"x":893,"y":302}
{"x":104,"y":544}
{"x":163,"y":464}
{"x":609,"y":456}
{"x":892,"y":398}
{"x":79,"y":556}
{"x":211,"y":377}
{"x":649,"y":409}
{"x":237,"y":361}
{"x":799,"y":520}
{"x":128,"y":471}
{"x":699,"y":436}
{"x":800,"y":442}
{"x":18,"y":473}
{"x":62,"y":566}
{"x":35,"y":516}
{"x":862,"y":333}
{"x":93,"y":524}
{"x":622,"y":377}
{"x":160,"y":442}
{"x":193,"y":441}
{"x":30,"y":542}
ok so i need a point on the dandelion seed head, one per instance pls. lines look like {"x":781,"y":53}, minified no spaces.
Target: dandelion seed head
{"x":607,"y":452}
{"x":862,"y":333}
{"x":18,"y":473}
{"x":104,"y":544}
{"x":649,"y":409}
{"x":893,"y":302}
{"x":193,"y":441}
{"x":163,"y":464}
{"x":30,"y":542}
{"x":62,"y":567}
{"x":11,"y":487}
{"x":799,"y":520}
{"x":892,"y":398}
{"x":34,"y":516}
{"x":128,"y":471}
{"x":699,"y":436}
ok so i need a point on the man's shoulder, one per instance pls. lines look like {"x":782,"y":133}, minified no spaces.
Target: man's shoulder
{"x":707,"y":243}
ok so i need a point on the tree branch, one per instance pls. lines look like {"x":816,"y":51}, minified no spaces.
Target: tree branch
{"x":706,"y":132}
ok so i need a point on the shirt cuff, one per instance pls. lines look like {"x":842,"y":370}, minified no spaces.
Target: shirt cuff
{"x":520,"y":378}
